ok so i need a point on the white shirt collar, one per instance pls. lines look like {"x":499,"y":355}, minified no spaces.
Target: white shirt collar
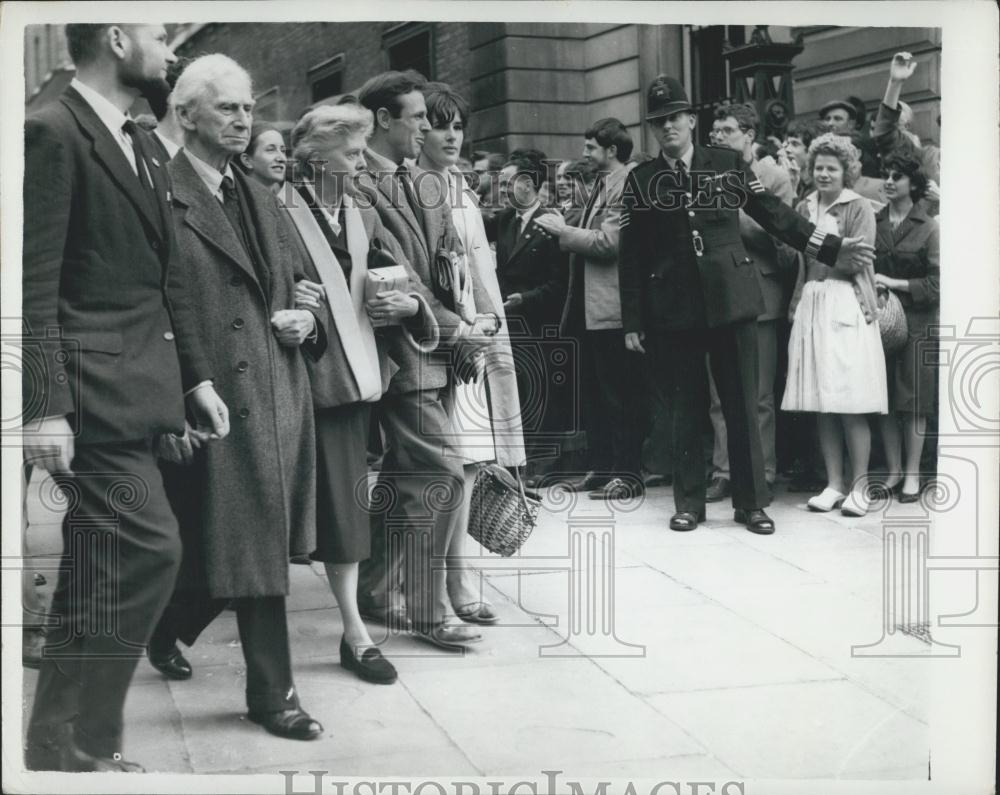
{"x":687,"y":157}
{"x":526,"y":214}
{"x":170,"y":146}
{"x":212,"y":177}
{"x":110,"y":116}
{"x":329,"y":213}
{"x":846,"y":195}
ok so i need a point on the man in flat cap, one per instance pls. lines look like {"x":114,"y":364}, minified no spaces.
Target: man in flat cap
{"x":689,"y":289}
{"x":839,"y":116}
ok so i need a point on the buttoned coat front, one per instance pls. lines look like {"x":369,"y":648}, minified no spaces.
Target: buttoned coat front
{"x":682,"y":261}
{"x":248,"y":500}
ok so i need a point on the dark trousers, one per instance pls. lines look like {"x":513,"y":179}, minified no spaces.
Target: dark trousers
{"x":263,"y":627}
{"x":419,"y":488}
{"x":677,"y":368}
{"x":615,"y":414}
{"x":121,"y":553}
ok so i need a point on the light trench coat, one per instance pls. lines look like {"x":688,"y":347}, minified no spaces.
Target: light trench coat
{"x":485,"y":415}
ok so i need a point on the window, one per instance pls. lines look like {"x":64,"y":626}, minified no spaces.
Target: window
{"x":411,"y":46}
{"x":326,"y":79}
{"x":266,"y":105}
{"x":709,"y":70}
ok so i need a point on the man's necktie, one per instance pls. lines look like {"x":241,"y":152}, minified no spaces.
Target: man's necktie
{"x":682,"y":174}
{"x":141,"y":156}
{"x":403,"y":175}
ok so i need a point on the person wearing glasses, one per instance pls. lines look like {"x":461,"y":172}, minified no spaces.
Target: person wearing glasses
{"x":907,"y":262}
{"x":688,"y":289}
{"x":736,"y":128}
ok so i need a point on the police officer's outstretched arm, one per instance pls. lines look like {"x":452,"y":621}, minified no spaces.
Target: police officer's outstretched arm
{"x":630,"y":276}
{"x":848,"y":254}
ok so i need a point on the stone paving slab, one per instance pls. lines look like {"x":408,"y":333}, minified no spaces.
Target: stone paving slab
{"x":814,"y":730}
{"x":545,"y":714}
{"x":746,"y":670}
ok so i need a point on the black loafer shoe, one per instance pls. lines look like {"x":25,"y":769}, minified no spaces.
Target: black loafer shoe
{"x":756,"y":521}
{"x":717,"y":490}
{"x":683,"y":521}
{"x":618,"y":489}
{"x":172,"y":664}
{"x":292,"y":724}
{"x":372,"y":667}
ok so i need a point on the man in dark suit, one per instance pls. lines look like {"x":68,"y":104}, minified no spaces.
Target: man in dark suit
{"x":688,"y":288}
{"x":117,"y":353}
{"x":533,"y":275}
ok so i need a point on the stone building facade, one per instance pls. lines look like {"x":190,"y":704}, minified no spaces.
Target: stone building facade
{"x":540,"y":84}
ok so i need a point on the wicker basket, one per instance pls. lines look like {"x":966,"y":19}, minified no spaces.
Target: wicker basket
{"x":891,"y":321}
{"x":502,"y":515}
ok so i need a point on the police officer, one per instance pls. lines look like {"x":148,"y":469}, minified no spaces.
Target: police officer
{"x":688,"y":288}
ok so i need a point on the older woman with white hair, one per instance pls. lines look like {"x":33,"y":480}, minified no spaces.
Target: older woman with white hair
{"x":836,"y":366}
{"x":336,"y":237}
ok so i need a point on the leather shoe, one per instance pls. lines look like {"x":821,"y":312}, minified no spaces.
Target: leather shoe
{"x":588,"y":482}
{"x":59,"y":752}
{"x":393,"y":617}
{"x":756,"y":521}
{"x":292,"y":724}
{"x":372,"y":666}
{"x":477,"y":613}
{"x":618,"y":489}
{"x":717,"y":490}
{"x":683,"y":521}
{"x":905,"y":497}
{"x":172,"y":664}
{"x":453,"y":637}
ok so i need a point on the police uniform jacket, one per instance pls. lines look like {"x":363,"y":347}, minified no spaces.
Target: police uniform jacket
{"x":682,"y":262}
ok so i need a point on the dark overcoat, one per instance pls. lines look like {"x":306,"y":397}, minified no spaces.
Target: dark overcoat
{"x":254,"y":490}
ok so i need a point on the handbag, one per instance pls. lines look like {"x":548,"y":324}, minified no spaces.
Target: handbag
{"x":891,"y":321}
{"x":451,"y":281}
{"x":502,"y":515}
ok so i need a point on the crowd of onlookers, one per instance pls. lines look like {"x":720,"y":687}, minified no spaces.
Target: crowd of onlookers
{"x":266,"y":313}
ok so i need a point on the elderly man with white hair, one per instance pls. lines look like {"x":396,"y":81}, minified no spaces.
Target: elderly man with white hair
{"x":244,"y":507}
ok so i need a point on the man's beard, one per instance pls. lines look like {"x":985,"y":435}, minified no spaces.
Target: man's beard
{"x":155,"y":90}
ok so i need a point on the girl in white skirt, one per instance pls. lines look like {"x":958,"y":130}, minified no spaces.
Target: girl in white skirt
{"x":835,"y":362}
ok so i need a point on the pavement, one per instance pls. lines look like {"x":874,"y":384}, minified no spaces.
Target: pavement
{"x":624,"y":650}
